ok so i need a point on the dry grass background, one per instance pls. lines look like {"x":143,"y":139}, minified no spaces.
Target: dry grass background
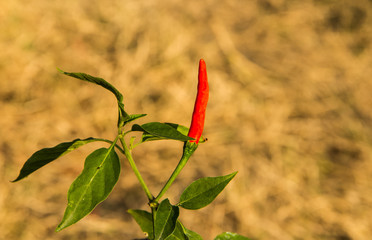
{"x":290,"y":109}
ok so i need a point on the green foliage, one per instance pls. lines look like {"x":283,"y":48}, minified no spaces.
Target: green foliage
{"x":178,"y":233}
{"x":130,"y":118}
{"x":191,"y":235}
{"x":103,"y":83}
{"x":47,"y":155}
{"x":159,"y":131}
{"x":165,"y":219}
{"x":98,"y":178}
{"x":99,"y":81}
{"x":230,"y":236}
{"x":183,"y":130}
{"x":144,"y":220}
{"x":203,"y":191}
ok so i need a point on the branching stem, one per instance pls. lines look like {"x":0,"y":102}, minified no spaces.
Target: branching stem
{"x":188,"y":150}
{"x":128,"y":155}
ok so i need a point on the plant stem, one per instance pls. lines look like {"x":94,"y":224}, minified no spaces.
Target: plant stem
{"x":153,"y":212}
{"x":128,"y":155}
{"x":188,"y":150}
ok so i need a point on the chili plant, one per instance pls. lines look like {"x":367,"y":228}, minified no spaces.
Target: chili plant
{"x":102,"y":168}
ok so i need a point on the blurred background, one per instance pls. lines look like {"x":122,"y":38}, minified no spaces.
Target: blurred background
{"x":290,"y":109}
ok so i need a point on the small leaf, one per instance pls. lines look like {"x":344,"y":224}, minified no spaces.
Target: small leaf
{"x":98,"y":178}
{"x":230,"y":236}
{"x":165,"y":220}
{"x":146,"y":137}
{"x":178,"y":233}
{"x":182,"y":233}
{"x":192,"y":235}
{"x":133,"y":117}
{"x":99,"y":81}
{"x":122,"y":115}
{"x":203,"y":191}
{"x":47,"y":155}
{"x":144,"y":220}
{"x":158,"y":131}
{"x":184,"y":130}
{"x":103,"y":83}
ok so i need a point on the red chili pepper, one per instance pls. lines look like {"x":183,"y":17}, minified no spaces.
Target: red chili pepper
{"x":198,"y":116}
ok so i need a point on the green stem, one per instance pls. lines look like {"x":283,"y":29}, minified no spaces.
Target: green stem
{"x":153,"y":212}
{"x":188,"y":150}
{"x":128,"y":155}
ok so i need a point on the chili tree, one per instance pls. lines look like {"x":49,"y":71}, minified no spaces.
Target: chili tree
{"x":102,"y":168}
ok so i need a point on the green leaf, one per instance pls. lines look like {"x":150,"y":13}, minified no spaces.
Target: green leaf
{"x":99,"y":81}
{"x":230,"y":236}
{"x":103,"y":83}
{"x":159,"y":131}
{"x":203,"y":191}
{"x":47,"y":155}
{"x":165,"y":220}
{"x":144,"y":220}
{"x":178,"y":233}
{"x":98,"y":178}
{"x":133,"y":117}
{"x":192,"y":235}
{"x":184,"y":130}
